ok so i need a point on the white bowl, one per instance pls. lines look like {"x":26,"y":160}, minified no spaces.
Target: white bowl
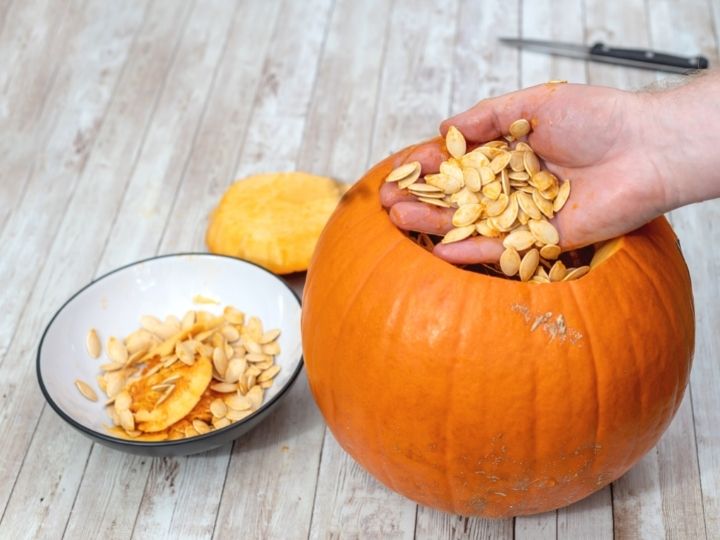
{"x":160,"y":286}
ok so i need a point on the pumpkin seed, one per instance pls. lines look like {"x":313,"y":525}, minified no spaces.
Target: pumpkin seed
{"x":471,"y":178}
{"x":500,"y":162}
{"x":238,"y":402}
{"x":403,"y":171}
{"x":235,"y":416}
{"x":505,"y":182}
{"x":457,"y":234}
{"x":463,"y":197}
{"x":519,"y":240}
{"x":550,"y":252}
{"x":223,"y":387}
{"x":542,"y":180}
{"x":542,"y":204}
{"x":434,"y":202}
{"x":166,"y":394}
{"x":126,"y":420}
{"x":576,"y":273}
{"x":544,"y":232}
{"x":519,"y":128}
{"x":201,"y":427}
{"x":424,"y":188}
{"x":92,"y":343}
{"x":188,"y":320}
{"x":510,"y":261}
{"x":466,"y":215}
{"x":486,"y":175}
{"x":218,"y":408}
{"x":269,"y":374}
{"x":528,"y":264}
{"x":122,"y":401}
{"x":528,"y":206}
{"x":516,"y":161}
{"x":452,"y":171}
{"x":455,"y":142}
{"x":493,"y":190}
{"x":220,"y":360}
{"x":255,"y":395}
{"x":531,"y":162}
{"x":116,"y":350}
{"x":220,"y":423}
{"x":85,"y":389}
{"x":508,"y":216}
{"x":234,"y":315}
{"x":562,"y":196}
{"x":557,"y":272}
{"x":485,"y":229}
{"x":112,"y":366}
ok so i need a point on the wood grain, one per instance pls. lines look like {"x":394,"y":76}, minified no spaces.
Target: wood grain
{"x":41,"y":288}
{"x":122,"y":123}
{"x":269,"y":468}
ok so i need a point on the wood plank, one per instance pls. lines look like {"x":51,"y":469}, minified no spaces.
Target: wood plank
{"x":36,"y":35}
{"x":432,"y":524}
{"x":416,"y":83}
{"x":271,"y":474}
{"x":589,"y":519}
{"x":538,"y":527}
{"x":75,"y":112}
{"x":621,"y":24}
{"x":540,"y":20}
{"x":480,"y":69}
{"x":689,"y":452}
{"x":351,"y":503}
{"x":636,"y":500}
{"x":181,"y":496}
{"x":23,"y":512}
{"x":693,"y":225}
{"x":109,"y":494}
{"x":112,"y":485}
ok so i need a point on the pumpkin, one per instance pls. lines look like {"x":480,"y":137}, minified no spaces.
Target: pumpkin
{"x":483,"y":396}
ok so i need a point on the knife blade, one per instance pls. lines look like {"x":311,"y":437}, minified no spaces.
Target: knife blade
{"x":599,"y":52}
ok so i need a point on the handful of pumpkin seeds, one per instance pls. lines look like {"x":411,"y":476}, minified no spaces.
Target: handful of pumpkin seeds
{"x":499,"y":190}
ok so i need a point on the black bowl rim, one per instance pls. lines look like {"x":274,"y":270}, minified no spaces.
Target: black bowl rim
{"x":177,"y":442}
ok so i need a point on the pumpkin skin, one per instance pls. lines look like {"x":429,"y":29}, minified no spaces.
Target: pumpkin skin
{"x":433,"y":379}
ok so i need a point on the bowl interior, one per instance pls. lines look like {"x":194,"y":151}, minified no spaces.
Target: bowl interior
{"x":160,"y":286}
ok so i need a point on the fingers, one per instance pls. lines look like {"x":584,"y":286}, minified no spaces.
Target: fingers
{"x":391,"y":194}
{"x":477,"y":249}
{"x":490,"y":118}
{"x":429,"y":154}
{"x":420,"y":217}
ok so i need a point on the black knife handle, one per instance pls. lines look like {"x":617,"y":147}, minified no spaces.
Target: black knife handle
{"x":650,"y":57}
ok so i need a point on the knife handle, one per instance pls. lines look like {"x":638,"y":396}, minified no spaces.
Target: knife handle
{"x":650,"y":57}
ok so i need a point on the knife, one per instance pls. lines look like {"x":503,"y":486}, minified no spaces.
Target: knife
{"x":599,"y":52}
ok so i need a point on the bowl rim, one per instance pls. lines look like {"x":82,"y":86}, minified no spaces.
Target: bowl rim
{"x":104,"y":437}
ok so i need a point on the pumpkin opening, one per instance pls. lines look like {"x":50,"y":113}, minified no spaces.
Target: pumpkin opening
{"x":592,"y":256}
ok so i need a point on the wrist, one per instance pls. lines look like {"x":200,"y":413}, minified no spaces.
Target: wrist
{"x":683,"y":145}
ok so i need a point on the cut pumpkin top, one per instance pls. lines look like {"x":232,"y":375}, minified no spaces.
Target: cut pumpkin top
{"x":273,"y":219}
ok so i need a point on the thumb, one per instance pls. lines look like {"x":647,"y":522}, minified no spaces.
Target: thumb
{"x":490,"y":118}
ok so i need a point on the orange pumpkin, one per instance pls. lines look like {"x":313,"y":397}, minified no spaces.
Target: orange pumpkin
{"x":484,"y":396}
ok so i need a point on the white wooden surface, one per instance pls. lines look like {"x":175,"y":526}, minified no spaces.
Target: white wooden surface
{"x":121,"y":123}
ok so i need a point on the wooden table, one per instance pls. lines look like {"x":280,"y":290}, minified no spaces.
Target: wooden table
{"x":122,"y":122}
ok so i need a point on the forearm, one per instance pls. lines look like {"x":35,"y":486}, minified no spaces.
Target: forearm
{"x":684,"y":136}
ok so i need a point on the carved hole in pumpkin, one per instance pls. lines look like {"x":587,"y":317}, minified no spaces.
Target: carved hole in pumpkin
{"x":592,"y":255}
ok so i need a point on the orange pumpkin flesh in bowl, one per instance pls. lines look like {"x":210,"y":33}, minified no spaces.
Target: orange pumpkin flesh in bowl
{"x":483,"y":396}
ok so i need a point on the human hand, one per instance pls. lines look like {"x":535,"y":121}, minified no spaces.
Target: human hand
{"x":597,"y":137}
